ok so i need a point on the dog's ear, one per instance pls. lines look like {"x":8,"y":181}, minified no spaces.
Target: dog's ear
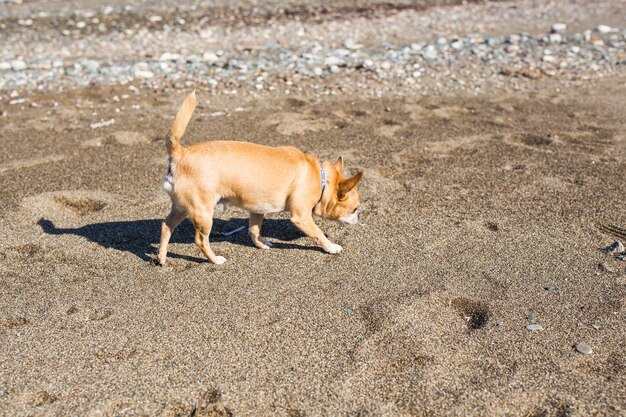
{"x":346,"y":185}
{"x":339,"y":165}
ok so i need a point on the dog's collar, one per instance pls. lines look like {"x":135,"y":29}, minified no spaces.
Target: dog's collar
{"x":323,"y":178}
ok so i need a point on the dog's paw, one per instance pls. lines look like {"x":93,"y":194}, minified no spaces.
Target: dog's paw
{"x":219,"y":260}
{"x":334,"y":248}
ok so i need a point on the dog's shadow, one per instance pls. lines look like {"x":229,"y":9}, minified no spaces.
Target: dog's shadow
{"x":140,"y":237}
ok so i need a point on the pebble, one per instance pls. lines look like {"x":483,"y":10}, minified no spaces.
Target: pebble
{"x":334,"y":69}
{"x":615,"y":247}
{"x":583,"y":348}
{"x":558,"y":27}
{"x":534,"y":327}
{"x":430,"y":52}
{"x":549,"y":288}
{"x":555,"y":38}
{"x":18,"y":65}
{"x":603,"y":29}
{"x":348,"y":310}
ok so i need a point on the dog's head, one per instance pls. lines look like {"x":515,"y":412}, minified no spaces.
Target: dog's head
{"x":340,"y":202}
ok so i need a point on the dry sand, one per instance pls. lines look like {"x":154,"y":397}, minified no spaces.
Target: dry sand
{"x":473,"y":206}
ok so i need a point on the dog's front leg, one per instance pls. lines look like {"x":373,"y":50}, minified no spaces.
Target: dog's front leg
{"x":305,"y":223}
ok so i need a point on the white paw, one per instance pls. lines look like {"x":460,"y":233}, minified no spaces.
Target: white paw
{"x":334,"y":248}
{"x":219,"y":260}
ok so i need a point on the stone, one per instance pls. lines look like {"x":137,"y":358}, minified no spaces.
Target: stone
{"x":548,"y":58}
{"x":558,"y":27}
{"x":583,"y":348}
{"x":143,"y":74}
{"x":555,"y":38}
{"x":456,"y":44}
{"x":18,"y":65}
{"x":210,"y":57}
{"x":534,"y":327}
{"x":513,"y":39}
{"x":429,"y":52}
{"x":333,"y":60}
{"x":334,"y":69}
{"x":603,"y":29}
{"x":549,"y":288}
{"x":616,"y":247}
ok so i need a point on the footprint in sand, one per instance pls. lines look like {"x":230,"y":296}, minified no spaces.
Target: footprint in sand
{"x":121,"y":137}
{"x":475,"y":313}
{"x":542,"y":142}
{"x":30,"y":162}
{"x":419,"y":113}
{"x":297,"y":123}
{"x":67,"y":203}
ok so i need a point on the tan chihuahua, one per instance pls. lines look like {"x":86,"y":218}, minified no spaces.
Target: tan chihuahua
{"x":256,"y":178}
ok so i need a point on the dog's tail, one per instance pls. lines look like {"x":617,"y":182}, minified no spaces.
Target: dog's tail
{"x":178,"y":127}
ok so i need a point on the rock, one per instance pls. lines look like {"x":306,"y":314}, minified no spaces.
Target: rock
{"x":333,"y":60}
{"x":458,"y":44}
{"x":416,"y":74}
{"x":548,"y":58}
{"x":549,"y":288}
{"x":442,"y":41}
{"x":558,"y":27}
{"x":5,"y":66}
{"x":167,"y":56}
{"x":348,"y":310}
{"x":534,"y":327}
{"x":334,"y":69}
{"x":143,"y":73}
{"x":603,"y":29}
{"x":513,"y":39}
{"x":350,"y":44}
{"x":429,"y":52}
{"x":583,"y":348}
{"x":368,"y":64}
{"x":317,"y":71}
{"x":385,"y":65}
{"x":615,"y":248}
{"x":575,"y":49}
{"x":18,"y":65}
{"x":512,"y":49}
{"x":555,"y":38}
{"x":210,"y":57}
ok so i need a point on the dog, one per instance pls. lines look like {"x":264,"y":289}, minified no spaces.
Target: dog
{"x":259,"y":179}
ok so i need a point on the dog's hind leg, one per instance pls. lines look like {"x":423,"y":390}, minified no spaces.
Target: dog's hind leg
{"x":203,"y":222}
{"x":172,"y":220}
{"x":254,"y":230}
